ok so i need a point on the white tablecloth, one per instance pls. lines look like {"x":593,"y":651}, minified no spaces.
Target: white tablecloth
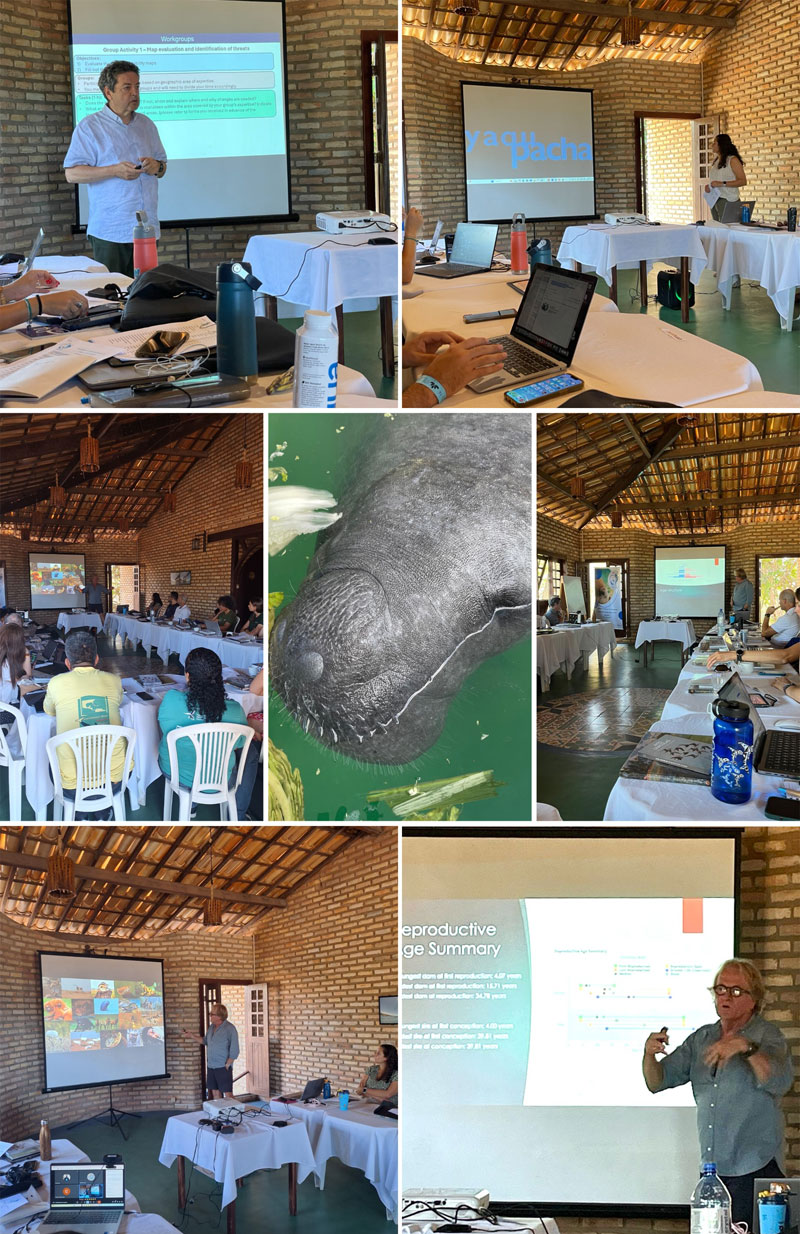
{"x":336,"y":267}
{"x":482,"y":293}
{"x":67,"y":620}
{"x":64,"y":1152}
{"x":666,"y":631}
{"x":770,"y":258}
{"x":602,"y":247}
{"x":166,"y":639}
{"x":568,"y":644}
{"x":254,"y":1145}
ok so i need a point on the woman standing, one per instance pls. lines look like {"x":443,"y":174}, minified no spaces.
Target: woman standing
{"x":728,"y":172}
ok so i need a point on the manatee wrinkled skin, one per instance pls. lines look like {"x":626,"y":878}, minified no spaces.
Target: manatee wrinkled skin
{"x":427,"y":573}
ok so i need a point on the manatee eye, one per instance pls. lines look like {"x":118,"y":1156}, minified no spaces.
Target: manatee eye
{"x":309,"y":666}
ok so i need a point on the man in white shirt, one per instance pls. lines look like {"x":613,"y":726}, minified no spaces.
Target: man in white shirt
{"x":787,"y":626}
{"x":119,"y":155}
{"x":182,"y":612}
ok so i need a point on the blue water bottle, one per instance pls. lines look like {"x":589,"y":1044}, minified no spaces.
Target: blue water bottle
{"x":731,"y":751}
{"x":745,"y":214}
{"x":237,"y":354}
{"x":326,"y":1090}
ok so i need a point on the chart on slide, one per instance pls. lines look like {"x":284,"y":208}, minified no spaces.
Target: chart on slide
{"x":605,"y":974}
{"x":210,"y":95}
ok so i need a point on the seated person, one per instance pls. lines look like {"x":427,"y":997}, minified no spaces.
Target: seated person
{"x":790,"y":654}
{"x":15,"y":665}
{"x":169,"y":611}
{"x":224,"y":614}
{"x":256,"y":718}
{"x":22,"y":300}
{"x":461,"y":361}
{"x":82,"y":696}
{"x":255,"y":622}
{"x":380,"y":1080}
{"x":205,"y":702}
{"x":155,"y":606}
{"x":541,"y":609}
{"x":787,"y":625}
{"x":554,"y":615}
{"x":182,"y":612}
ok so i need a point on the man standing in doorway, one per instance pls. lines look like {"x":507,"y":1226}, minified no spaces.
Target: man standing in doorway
{"x":119,"y":155}
{"x":222,"y":1048}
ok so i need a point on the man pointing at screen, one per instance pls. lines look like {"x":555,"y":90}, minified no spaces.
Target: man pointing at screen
{"x":119,"y":155}
{"x":739,"y":1068}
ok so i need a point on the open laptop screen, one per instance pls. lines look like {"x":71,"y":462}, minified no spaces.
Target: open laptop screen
{"x":87,"y":1186}
{"x":734,"y":690}
{"x":553,"y":310}
{"x":474,"y":244}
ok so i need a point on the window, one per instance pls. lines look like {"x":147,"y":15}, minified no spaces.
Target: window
{"x":549,"y":572}
{"x":774,"y":575}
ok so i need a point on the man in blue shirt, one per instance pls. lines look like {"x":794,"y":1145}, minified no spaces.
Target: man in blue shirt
{"x":222,"y":1048}
{"x":739,"y":1068}
{"x":119,"y":155}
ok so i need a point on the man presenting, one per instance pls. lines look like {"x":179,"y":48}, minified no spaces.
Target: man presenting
{"x":94,"y":592}
{"x":739,"y":1069}
{"x":119,"y":155}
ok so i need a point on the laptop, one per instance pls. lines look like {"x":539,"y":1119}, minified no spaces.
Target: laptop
{"x":472,"y":252}
{"x":211,"y":627}
{"x":775,"y":752}
{"x":791,"y":1189}
{"x":85,"y":1199}
{"x":25,"y":265}
{"x":732,"y":211}
{"x":313,"y":1089}
{"x":546,"y":329}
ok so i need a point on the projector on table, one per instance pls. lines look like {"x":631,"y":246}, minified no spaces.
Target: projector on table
{"x":445,"y":1198}
{"x":620,"y":220}
{"x":221,"y":1105}
{"x":353,"y":220}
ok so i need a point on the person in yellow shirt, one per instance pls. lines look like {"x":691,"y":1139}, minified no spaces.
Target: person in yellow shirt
{"x":84,"y":695}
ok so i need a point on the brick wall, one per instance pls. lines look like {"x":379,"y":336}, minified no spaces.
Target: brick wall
{"x":751,"y":77}
{"x":326,"y":960}
{"x":670,"y":172}
{"x":434,"y":141}
{"x":15,"y":554}
{"x":324,"y":74}
{"x":393,"y":120}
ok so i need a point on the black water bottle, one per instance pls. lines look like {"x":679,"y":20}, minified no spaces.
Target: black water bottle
{"x":791,"y":218}
{"x":237,"y":354}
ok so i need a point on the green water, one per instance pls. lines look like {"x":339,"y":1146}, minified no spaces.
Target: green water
{"x":488,"y":724}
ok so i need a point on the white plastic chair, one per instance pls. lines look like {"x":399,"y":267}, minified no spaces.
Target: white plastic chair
{"x":213,"y":746}
{"x":93,"y":747}
{"x":15,"y":764}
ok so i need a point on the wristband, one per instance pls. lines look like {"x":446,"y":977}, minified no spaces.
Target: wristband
{"x":434,"y":385}
{"x":30,"y":310}
{"x":39,"y":302}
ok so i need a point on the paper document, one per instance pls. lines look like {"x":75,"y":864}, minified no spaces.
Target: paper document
{"x":711,"y":197}
{"x":201,"y":330}
{"x":38,"y":375}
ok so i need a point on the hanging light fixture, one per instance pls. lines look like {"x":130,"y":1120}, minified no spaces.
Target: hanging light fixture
{"x":90,"y":537}
{"x":703,"y":480}
{"x":688,"y":419}
{"x":616,"y":518}
{"x":60,"y":880}
{"x":577,"y":485}
{"x":89,"y":451}
{"x":168,"y":503}
{"x":630,"y":30}
{"x":123,"y":523}
{"x":25,"y":533}
{"x":212,"y":909}
{"x":58,"y":496}
{"x":244,"y":468}
{"x":464,"y":8}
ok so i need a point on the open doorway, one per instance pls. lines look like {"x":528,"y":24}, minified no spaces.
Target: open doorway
{"x":608,"y":592}
{"x":379,"y":87}
{"x":665,"y":170}
{"x":122,"y":581}
{"x":232,"y":996}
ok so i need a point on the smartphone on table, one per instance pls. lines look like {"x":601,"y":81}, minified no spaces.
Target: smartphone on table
{"x":547,"y":387}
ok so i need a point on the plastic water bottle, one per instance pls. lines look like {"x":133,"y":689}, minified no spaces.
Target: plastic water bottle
{"x":316,"y":361}
{"x":745,"y":214}
{"x":720,"y":623}
{"x":519,"y":245}
{"x":145,"y":252}
{"x":326,"y":1090}
{"x":237,"y":353}
{"x":731,"y":752}
{"x":710,"y":1204}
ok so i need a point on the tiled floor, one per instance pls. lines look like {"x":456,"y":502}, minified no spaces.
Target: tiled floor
{"x":614,"y":720}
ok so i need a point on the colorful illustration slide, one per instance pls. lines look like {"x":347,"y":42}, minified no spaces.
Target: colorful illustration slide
{"x":57,"y":581}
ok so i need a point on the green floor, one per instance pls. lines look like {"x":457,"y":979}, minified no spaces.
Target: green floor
{"x":349,"y":1203}
{"x":362,"y":349}
{"x":752,"y":328}
{"x":571,"y":777}
{"x":130,"y":663}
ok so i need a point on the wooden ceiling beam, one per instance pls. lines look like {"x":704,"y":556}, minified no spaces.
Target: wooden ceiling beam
{"x":711,"y":502}
{"x":493,"y":31}
{"x":672,"y":430}
{"x":636,"y":435}
{"x":756,"y":444}
{"x":655,"y":17}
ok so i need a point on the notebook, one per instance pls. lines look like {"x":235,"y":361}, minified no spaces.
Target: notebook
{"x":85,"y":1199}
{"x":472,"y":252}
{"x":546,"y":329}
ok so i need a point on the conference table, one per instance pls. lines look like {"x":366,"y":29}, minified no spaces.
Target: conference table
{"x":359,"y":1138}
{"x":636,"y":356}
{"x":256,"y":1144}
{"x":321,"y":271}
{"x":463,"y":295}
{"x":139,"y":714}
{"x":770,"y":258}
{"x":684,"y":713}
{"x":235,"y":651}
{"x":569,"y":644}
{"x":650,"y":632}
{"x":607,"y":249}
{"x":67,"y":621}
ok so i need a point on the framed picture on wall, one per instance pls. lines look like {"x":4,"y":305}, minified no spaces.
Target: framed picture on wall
{"x":387,"y":1008}
{"x":180,"y":578}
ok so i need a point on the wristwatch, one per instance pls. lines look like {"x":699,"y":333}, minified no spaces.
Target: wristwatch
{"x":161,"y":167}
{"x":752,"y":1049}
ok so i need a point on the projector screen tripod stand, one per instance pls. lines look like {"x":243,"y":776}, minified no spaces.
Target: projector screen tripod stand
{"x":114,"y":1116}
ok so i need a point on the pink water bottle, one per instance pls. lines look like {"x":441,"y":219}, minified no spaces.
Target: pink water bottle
{"x":145,"y":253}
{"x":519,"y":245}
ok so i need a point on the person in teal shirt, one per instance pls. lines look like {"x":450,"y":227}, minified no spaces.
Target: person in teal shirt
{"x":204,"y":702}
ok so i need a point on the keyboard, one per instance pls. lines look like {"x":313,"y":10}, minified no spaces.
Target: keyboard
{"x":449,"y":268}
{"x":781,"y":753}
{"x":78,"y":1216}
{"x":520,"y":360}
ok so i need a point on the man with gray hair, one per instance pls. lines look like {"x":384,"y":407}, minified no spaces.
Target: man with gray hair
{"x":118,"y":154}
{"x":787,"y":626}
{"x":740,"y":1068}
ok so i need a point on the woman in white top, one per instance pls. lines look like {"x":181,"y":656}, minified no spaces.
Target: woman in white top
{"x":15,"y":663}
{"x":728,"y":171}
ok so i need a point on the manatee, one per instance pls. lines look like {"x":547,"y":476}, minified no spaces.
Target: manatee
{"x":425,"y":575}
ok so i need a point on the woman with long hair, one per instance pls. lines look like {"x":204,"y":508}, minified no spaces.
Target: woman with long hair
{"x":155,"y":605}
{"x":204,"y":702}
{"x":728,"y":172}
{"x":380,"y":1079}
{"x":15,"y":662}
